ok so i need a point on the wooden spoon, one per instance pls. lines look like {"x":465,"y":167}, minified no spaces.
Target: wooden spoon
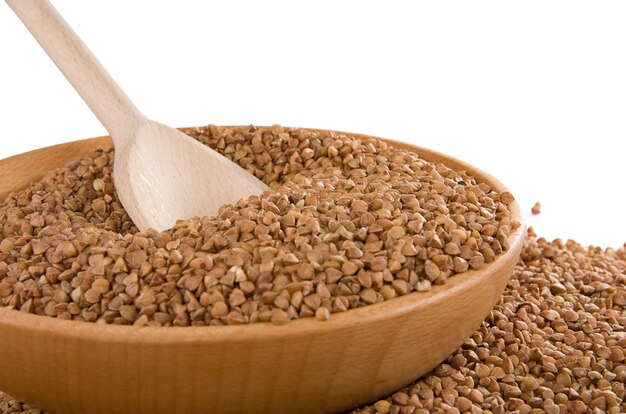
{"x":161,"y":174}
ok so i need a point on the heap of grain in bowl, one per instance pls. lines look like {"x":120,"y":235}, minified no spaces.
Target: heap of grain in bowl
{"x":349,"y":223}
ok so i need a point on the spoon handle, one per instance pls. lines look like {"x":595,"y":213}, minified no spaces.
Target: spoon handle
{"x":81,"y":68}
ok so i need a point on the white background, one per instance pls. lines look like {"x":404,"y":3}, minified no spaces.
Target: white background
{"x":533,"y":92}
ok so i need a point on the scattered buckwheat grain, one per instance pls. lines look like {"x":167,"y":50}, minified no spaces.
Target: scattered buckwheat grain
{"x":540,"y":350}
{"x":536,"y":209}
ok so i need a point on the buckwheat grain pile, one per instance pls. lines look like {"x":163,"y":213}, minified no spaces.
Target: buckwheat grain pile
{"x":554,"y":343}
{"x":349,"y":224}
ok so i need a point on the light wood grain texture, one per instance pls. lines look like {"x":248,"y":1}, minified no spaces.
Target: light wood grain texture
{"x":158,"y":167}
{"x":306,"y":366}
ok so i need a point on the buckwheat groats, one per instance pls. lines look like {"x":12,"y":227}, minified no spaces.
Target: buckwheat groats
{"x":553,"y":344}
{"x":349,"y":223}
{"x":536,"y":209}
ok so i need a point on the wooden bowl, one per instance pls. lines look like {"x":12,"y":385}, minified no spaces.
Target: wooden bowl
{"x":305,"y":366}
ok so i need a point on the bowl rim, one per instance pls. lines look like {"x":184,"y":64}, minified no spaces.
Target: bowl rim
{"x":396,"y":307}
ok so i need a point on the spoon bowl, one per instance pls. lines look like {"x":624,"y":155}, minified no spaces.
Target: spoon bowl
{"x":305,"y":366}
{"x":163,"y":175}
